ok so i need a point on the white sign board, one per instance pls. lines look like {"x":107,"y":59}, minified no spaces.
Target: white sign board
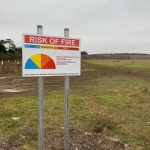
{"x":50,"y":56}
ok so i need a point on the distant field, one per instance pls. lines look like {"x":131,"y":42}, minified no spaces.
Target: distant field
{"x":108,"y":108}
{"x":130,"y":64}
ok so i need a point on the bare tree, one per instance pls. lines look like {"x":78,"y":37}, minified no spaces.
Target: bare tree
{"x":11,"y":46}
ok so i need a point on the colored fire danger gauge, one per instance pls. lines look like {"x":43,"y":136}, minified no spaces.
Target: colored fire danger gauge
{"x":40,"y":61}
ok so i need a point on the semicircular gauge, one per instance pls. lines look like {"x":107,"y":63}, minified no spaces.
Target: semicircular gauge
{"x":40,"y":61}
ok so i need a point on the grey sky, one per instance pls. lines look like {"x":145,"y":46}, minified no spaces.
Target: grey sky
{"x":104,"y":26}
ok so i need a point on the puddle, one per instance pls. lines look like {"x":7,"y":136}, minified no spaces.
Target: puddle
{"x":14,"y":90}
{"x":23,"y":84}
{"x":15,"y":118}
{"x":3,"y":78}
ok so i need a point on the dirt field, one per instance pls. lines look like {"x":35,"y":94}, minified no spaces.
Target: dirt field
{"x":96,"y":93}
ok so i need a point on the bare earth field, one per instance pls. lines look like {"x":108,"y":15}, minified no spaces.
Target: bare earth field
{"x":109,"y":108}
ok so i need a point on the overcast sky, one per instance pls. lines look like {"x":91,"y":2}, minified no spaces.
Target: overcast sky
{"x":104,"y":26}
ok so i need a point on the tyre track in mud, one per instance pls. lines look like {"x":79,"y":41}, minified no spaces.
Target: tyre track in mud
{"x":16,"y":85}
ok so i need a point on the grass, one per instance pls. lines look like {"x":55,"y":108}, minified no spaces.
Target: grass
{"x":139,"y":65}
{"x":115,"y":105}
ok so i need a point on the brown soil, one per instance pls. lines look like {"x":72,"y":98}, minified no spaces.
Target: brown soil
{"x":17,"y":85}
{"x":79,"y":140}
{"x":83,"y":141}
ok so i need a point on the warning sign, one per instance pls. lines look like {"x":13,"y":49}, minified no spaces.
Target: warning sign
{"x":50,"y":56}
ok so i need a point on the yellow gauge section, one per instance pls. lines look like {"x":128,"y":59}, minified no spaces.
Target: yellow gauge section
{"x":37,"y":60}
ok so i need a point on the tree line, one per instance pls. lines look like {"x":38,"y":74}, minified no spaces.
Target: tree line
{"x":8,"y":50}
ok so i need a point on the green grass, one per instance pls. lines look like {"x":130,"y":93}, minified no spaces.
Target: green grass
{"x":117,"y":106}
{"x":140,"y":65}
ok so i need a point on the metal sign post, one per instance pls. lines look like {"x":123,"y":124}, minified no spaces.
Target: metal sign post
{"x":66,"y":101}
{"x":40,"y":104}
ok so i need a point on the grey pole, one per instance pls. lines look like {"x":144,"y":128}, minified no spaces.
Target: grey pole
{"x":66,"y":101}
{"x":40,"y":104}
